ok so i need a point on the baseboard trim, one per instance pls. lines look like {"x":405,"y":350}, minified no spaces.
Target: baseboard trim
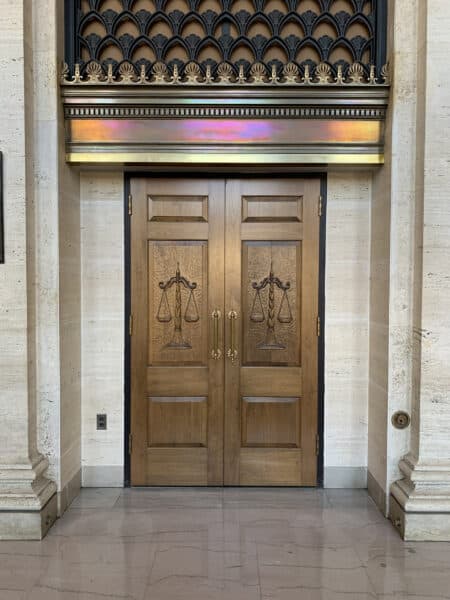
{"x":102,"y":476}
{"x":345,"y":477}
{"x":377,"y":493}
{"x":68,"y":494}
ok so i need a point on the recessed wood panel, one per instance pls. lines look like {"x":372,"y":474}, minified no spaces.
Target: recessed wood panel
{"x":280,"y":381}
{"x":271,"y":303}
{"x":270,"y":422}
{"x":177,"y":209}
{"x":188,"y":380}
{"x":270,"y":209}
{"x":177,"y":302}
{"x":177,"y":466}
{"x":177,"y":421}
{"x":270,"y":466}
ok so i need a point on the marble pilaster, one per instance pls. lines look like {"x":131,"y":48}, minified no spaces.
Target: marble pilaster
{"x":420,"y":502}
{"x":27,"y":497}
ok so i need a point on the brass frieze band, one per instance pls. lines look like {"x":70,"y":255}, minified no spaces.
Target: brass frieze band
{"x":259,"y":75}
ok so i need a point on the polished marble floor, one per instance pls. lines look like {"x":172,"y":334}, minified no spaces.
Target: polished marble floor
{"x":217,"y":544}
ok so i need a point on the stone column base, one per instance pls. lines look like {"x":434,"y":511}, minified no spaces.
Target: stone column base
{"x":28,"y":500}
{"x":28,"y":524}
{"x":420,"y":503}
{"x":419,"y":526}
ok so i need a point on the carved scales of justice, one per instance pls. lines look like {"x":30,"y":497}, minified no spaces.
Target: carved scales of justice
{"x":164,"y":314}
{"x":258,"y":315}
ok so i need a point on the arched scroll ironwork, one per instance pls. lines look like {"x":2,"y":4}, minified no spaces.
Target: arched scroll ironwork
{"x":225,"y":41}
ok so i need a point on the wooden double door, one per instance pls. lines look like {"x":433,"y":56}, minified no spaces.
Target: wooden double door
{"x":224,"y":302}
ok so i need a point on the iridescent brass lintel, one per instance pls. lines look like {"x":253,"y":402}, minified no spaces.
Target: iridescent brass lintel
{"x":181,"y":126}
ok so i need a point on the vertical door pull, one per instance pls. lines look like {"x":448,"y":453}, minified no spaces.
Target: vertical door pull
{"x":232,"y":352}
{"x":216,"y":352}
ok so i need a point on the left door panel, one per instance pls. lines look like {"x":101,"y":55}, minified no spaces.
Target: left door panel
{"x":177,"y":296}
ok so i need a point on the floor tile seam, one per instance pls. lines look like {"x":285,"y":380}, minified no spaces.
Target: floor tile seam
{"x":313,"y":567}
{"x":326,"y":588}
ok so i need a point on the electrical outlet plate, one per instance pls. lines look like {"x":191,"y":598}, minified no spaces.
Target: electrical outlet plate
{"x":101,"y":421}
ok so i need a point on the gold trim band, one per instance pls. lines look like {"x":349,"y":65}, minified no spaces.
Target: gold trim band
{"x":247,"y":158}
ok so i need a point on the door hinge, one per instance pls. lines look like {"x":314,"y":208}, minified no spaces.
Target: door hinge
{"x":130,"y":204}
{"x":319,"y":207}
{"x":319,"y":327}
{"x":130,"y":443}
{"x":317,"y":444}
{"x":130,"y":325}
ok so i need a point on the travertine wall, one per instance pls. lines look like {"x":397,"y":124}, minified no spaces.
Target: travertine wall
{"x":102,"y":302}
{"x":346,"y":330}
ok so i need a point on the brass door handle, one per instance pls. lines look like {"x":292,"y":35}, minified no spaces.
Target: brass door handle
{"x":216,"y":352}
{"x":232,"y":352}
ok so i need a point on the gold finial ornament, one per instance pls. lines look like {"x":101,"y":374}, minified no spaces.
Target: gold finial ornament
{"x":77,"y":74}
{"x":307,"y":77}
{"x":273,"y":76}
{"x":142,"y":75}
{"x":176,"y":75}
{"x":241,"y":77}
{"x":339,"y":77}
{"x":109,"y":75}
{"x":208,"y":75}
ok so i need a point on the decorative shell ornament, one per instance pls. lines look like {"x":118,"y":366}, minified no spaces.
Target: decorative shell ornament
{"x":159,"y":72}
{"x":323,"y":73}
{"x":356,"y":73}
{"x":126,"y":72}
{"x":224,"y":73}
{"x":64,"y":73}
{"x":192,"y":72}
{"x":385,"y":74}
{"x":94,"y":72}
{"x":290,"y":72}
{"x":258,"y":73}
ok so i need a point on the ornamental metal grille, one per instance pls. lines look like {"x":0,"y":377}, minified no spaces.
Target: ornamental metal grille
{"x":225,"y":40}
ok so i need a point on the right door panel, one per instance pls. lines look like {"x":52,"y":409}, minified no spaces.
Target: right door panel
{"x":271,"y":289}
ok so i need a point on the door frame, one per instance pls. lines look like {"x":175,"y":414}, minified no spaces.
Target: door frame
{"x":273,"y":173}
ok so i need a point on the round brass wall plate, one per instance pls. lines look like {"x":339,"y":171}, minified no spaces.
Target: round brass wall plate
{"x":401,"y":419}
